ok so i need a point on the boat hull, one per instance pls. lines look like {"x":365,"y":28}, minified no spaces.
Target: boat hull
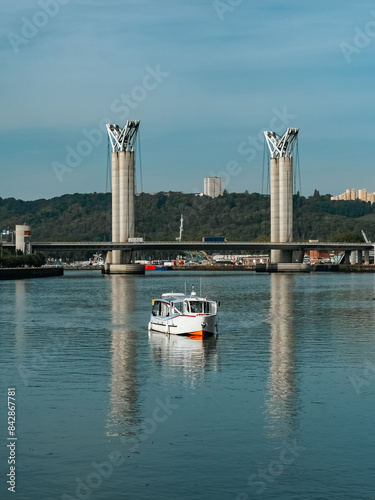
{"x":200,"y":325}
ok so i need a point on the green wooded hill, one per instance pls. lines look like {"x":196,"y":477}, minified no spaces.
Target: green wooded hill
{"x":237,"y":216}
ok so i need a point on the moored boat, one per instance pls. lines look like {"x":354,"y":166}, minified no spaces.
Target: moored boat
{"x":157,"y":267}
{"x":179,"y":314}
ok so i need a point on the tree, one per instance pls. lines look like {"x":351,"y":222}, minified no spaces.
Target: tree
{"x":346,"y":237}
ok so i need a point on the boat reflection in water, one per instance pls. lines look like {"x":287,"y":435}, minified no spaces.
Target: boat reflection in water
{"x":282,"y":396}
{"x":191,"y":355}
{"x":123,"y":383}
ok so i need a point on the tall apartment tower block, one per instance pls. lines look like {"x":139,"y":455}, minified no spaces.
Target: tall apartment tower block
{"x":213,"y":186}
{"x":351,"y":194}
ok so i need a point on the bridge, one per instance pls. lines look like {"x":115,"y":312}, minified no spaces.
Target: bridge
{"x":199,"y":245}
{"x":119,"y":252}
{"x":354,"y":252}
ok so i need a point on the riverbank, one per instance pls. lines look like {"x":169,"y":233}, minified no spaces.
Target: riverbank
{"x":214,"y":267}
{"x":19,"y":273}
{"x":69,"y":267}
{"x":343,"y":268}
{"x":199,"y":267}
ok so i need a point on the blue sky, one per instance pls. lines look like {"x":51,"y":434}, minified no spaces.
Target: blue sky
{"x":204,"y":78}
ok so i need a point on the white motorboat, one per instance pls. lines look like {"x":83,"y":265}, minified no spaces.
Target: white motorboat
{"x":179,"y":314}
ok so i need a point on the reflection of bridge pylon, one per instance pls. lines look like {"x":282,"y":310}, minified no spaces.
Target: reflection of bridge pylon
{"x":123,"y":385}
{"x":123,"y":195}
{"x":281,"y":404}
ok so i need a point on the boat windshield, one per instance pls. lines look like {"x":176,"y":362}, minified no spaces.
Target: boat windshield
{"x":179,"y":307}
{"x":160,"y":309}
{"x":195,"y":307}
{"x":201,"y":307}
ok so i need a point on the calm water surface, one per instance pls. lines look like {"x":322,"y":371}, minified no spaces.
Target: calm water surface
{"x":279,"y":406}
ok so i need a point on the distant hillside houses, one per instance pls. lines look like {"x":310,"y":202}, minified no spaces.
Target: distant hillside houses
{"x":352,"y":194}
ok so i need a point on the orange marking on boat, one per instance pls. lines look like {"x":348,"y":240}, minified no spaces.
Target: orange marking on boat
{"x":199,"y":334}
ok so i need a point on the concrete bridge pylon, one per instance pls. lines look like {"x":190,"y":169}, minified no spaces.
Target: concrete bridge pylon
{"x":123,"y":196}
{"x":281,"y":190}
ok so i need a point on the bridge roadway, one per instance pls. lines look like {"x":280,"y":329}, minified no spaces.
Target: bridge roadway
{"x":224,"y":248}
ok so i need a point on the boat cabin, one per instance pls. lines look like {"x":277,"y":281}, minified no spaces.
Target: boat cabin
{"x":178,"y":304}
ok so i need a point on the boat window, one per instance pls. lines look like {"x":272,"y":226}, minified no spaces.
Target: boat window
{"x":156,"y":309}
{"x":196,"y":307}
{"x":164,"y":309}
{"x":179,"y":307}
{"x":160,"y":309}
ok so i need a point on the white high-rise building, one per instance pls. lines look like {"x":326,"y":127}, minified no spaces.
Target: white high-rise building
{"x":213,"y":186}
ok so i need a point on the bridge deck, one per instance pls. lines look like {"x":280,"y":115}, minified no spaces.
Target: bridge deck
{"x":226,"y":247}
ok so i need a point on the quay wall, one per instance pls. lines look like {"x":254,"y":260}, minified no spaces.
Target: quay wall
{"x":19,"y":273}
{"x":362,"y":268}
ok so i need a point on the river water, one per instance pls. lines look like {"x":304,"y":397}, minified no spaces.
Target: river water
{"x":279,"y":406}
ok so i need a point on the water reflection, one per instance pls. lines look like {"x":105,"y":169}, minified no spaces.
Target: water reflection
{"x":124,"y":384}
{"x":20,"y":304}
{"x":281,"y":403}
{"x":191,"y":356}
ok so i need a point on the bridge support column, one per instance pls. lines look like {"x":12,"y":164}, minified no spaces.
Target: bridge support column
{"x":275,"y":207}
{"x":127,"y":256}
{"x":347,"y":257}
{"x":125,"y":267}
{"x":360,"y":259}
{"x":367,"y":257}
{"x":123,"y":193}
{"x":297,"y":256}
{"x":275,"y":256}
{"x":286,"y":199}
{"x":353,"y":255}
{"x":285,"y":256}
{"x":281,"y":191}
{"x":124,"y":196}
{"x":107,"y":258}
{"x":131,"y":215}
{"x":115,"y":254}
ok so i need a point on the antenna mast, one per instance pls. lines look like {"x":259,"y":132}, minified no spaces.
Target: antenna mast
{"x":181,"y":228}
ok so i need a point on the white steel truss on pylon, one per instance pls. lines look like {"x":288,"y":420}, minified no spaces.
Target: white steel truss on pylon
{"x":281,"y":146}
{"x":123,"y":139}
